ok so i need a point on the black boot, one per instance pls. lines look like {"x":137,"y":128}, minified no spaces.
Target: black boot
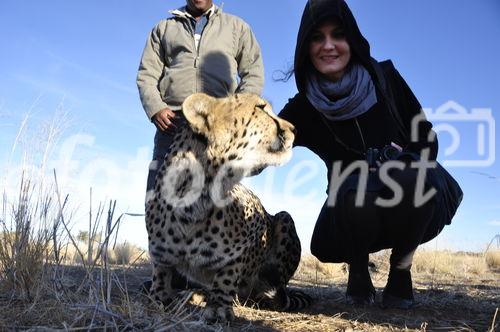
{"x":360,"y":290}
{"x":398,"y":292}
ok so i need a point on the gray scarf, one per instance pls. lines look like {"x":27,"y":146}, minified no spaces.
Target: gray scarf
{"x":352,"y":95}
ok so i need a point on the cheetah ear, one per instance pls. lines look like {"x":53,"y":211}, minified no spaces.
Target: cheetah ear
{"x":197,"y":109}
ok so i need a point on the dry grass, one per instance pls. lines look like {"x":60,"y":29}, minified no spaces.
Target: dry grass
{"x":126,"y":254}
{"x":493,"y":259}
{"x":38,"y":289}
{"x":443,"y":264}
{"x":447,"y":263}
{"x":455,"y":291}
{"x":24,"y":240}
{"x":313,"y":271}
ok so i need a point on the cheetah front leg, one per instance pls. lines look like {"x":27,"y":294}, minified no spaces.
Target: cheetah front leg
{"x":220,"y":299}
{"x":286,"y":246}
{"x":281,"y":263}
{"x":161,"y":287}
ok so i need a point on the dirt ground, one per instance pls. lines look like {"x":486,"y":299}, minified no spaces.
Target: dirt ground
{"x":445,"y":303}
{"x":460,"y":302}
{"x":466,"y":305}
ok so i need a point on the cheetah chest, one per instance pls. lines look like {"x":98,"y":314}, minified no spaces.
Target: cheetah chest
{"x":210,"y":243}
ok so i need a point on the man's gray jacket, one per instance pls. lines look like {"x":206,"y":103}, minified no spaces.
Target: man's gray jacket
{"x":172,"y":68}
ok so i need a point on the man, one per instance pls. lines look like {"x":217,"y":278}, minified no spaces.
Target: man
{"x":199,"y":49}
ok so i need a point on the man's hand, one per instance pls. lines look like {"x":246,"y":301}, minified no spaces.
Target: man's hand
{"x":163,"y":119}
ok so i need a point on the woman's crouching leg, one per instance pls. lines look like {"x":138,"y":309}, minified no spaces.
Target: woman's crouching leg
{"x":405,"y":225}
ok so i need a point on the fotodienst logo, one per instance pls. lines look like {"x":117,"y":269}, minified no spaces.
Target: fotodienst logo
{"x":470,"y":133}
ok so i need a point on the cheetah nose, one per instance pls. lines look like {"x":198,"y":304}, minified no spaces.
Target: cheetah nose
{"x":288,"y":126}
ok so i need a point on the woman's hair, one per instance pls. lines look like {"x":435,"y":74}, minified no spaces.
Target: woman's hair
{"x":285,"y":75}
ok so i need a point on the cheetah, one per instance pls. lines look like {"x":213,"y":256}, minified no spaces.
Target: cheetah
{"x":207,"y":226}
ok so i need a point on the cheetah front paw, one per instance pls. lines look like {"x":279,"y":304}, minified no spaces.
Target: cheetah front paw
{"x":165,"y":301}
{"x":218,"y":314}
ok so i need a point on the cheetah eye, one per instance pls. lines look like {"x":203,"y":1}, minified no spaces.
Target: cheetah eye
{"x":261,"y":106}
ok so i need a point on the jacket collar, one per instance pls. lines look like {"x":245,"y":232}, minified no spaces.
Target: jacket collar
{"x":183,"y":13}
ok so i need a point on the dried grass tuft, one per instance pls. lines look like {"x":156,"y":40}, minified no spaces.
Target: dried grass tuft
{"x":24,"y":241}
{"x":126,"y":253}
{"x":492,"y":259}
{"x":448,"y":263}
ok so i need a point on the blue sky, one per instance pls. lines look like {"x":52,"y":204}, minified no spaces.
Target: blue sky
{"x":83,"y":56}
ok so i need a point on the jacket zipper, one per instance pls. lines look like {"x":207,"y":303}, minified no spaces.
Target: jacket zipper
{"x":197,"y":59}
{"x":195,"y":64}
{"x":197,"y":49}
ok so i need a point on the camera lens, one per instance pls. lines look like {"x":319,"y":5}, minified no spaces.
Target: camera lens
{"x":389,"y":153}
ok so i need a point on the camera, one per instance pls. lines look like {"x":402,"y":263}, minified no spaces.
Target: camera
{"x":374,"y":155}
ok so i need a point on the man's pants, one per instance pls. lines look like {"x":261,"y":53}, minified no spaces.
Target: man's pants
{"x":162,"y":142}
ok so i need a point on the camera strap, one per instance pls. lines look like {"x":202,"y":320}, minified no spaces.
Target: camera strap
{"x":339,"y":141}
{"x":388,"y":96}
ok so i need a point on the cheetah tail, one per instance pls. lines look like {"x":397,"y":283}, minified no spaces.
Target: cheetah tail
{"x":291,"y":299}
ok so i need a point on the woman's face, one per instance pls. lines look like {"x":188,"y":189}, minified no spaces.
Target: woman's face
{"x":329,"y":51}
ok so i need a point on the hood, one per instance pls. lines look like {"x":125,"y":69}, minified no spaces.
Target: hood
{"x":316,"y":12}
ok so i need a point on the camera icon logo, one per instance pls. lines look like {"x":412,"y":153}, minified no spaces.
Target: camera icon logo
{"x":471,"y":134}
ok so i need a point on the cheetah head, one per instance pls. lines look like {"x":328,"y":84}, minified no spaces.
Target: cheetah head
{"x":241,"y":130}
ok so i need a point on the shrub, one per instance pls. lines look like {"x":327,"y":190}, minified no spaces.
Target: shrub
{"x":124,"y":253}
{"x":492,"y":259}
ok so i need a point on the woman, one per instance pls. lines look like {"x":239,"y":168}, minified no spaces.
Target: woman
{"x":347,"y":106}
